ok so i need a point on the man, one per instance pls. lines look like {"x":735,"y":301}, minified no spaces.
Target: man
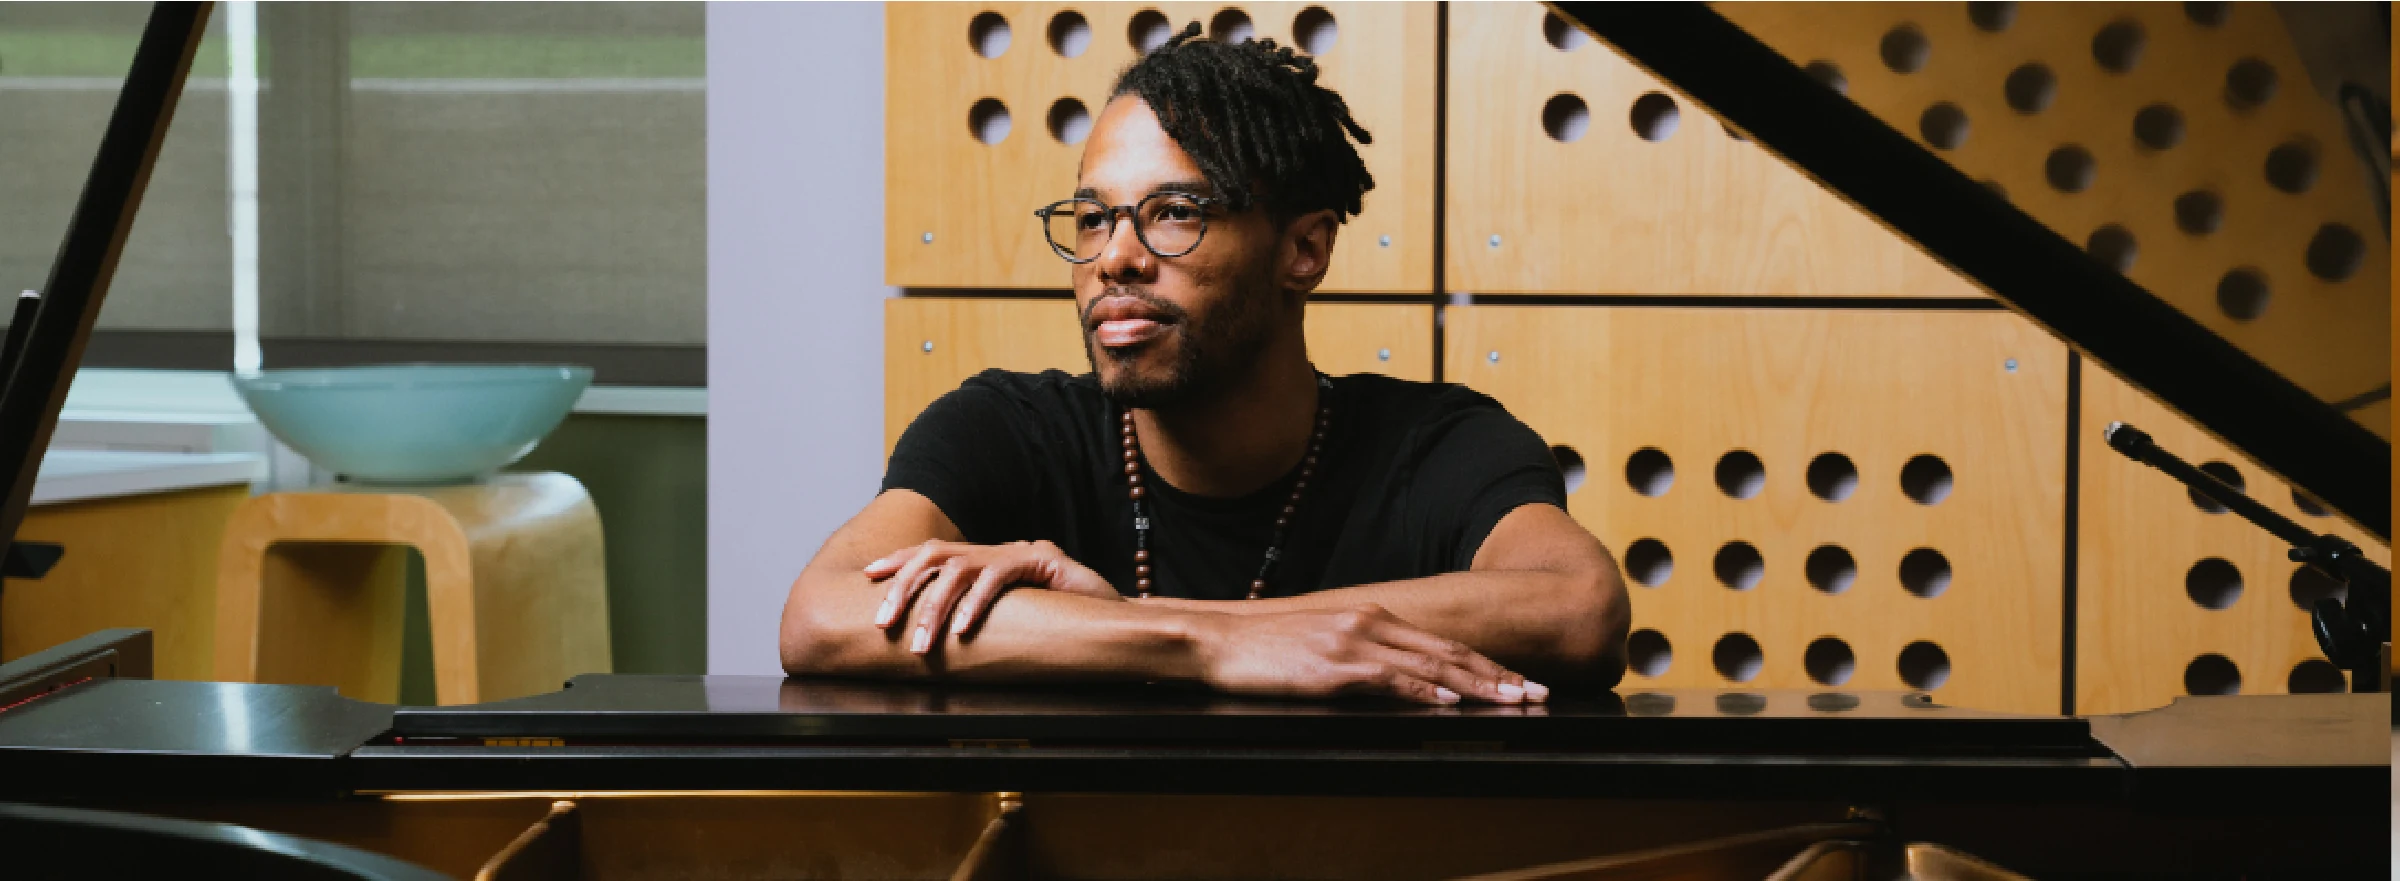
{"x":1204,"y":506}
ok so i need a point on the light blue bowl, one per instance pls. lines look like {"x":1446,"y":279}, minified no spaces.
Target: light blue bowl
{"x":413,"y":423}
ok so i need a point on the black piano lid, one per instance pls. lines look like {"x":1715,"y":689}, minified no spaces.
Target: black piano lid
{"x":765,"y":709}
{"x":2092,"y":307}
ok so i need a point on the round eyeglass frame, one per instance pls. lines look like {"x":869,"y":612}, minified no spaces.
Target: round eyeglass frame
{"x":1132,"y":212}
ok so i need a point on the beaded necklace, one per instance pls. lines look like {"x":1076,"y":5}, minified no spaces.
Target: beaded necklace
{"x":1283,"y":521}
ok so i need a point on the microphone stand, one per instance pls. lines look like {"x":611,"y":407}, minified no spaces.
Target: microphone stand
{"x":2355,"y":635}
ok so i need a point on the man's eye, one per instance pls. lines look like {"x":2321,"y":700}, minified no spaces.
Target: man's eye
{"x":1088,"y":221}
{"x":1179,"y":213}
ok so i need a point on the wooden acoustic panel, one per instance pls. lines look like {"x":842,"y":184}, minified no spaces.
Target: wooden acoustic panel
{"x":2162,"y":583}
{"x":1696,"y":211}
{"x":1705,"y":432}
{"x":958,"y":212}
{"x":2191,"y":132}
{"x":931,"y":344}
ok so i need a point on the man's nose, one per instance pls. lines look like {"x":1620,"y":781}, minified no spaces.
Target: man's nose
{"x":1123,"y":257}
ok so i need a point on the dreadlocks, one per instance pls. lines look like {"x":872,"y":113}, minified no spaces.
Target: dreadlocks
{"x":1254,"y":119}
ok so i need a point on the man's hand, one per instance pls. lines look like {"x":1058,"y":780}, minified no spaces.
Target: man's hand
{"x":1364,"y":650}
{"x":958,"y":582}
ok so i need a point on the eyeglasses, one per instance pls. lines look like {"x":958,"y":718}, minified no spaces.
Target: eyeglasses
{"x":1169,"y":224}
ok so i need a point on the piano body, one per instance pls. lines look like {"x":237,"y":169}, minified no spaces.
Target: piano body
{"x":749,"y":777}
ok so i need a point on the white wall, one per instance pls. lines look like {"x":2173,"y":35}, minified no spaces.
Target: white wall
{"x":795,"y":301}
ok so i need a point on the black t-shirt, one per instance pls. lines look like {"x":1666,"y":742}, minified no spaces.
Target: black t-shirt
{"x":1413,"y":476}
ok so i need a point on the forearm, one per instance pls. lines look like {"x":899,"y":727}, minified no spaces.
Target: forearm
{"x":1029,"y":634}
{"x":1552,"y":626}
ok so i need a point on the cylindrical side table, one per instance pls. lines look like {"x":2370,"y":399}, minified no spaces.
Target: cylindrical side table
{"x":309,"y":587}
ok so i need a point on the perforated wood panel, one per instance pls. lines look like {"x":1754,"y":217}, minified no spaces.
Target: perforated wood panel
{"x":2183,"y":142}
{"x":1647,"y":194}
{"x":1739,"y":405}
{"x":2163,"y":584}
{"x":958,"y":211}
{"x":931,"y":344}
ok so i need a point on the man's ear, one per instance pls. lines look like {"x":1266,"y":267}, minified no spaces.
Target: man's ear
{"x":1308,"y":249}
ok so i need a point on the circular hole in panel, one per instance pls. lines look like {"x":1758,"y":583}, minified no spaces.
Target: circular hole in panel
{"x":2230,"y":475}
{"x":1740,"y":474}
{"x":1655,"y":116}
{"x":2242,"y":294}
{"x":2292,"y":167}
{"x":1925,"y":572}
{"x":2069,"y":169}
{"x":1992,"y":17}
{"x":1148,"y":31}
{"x":2212,"y":674}
{"x":2158,"y":127}
{"x":1829,"y":661}
{"x":1924,"y":666}
{"x":1649,"y":472}
{"x":2030,"y":88}
{"x":1069,"y":121}
{"x":2113,"y":246}
{"x":1926,"y":478}
{"x":1831,"y":476}
{"x":2335,"y":252}
{"x":1648,"y":562}
{"x":2310,"y":585}
{"x":2207,"y":15}
{"x":1943,"y":125}
{"x":2213,"y":584}
{"x":1905,"y":49}
{"x":1315,"y":30}
{"x":1566,"y":118}
{"x":1648,"y":653}
{"x":1737,"y":657}
{"x":2118,"y":47}
{"x":1739,"y":566}
{"x":1830,"y":74}
{"x":988,"y":33}
{"x":2316,"y":676}
{"x":1563,"y":36}
{"x":988,"y":121}
{"x":1231,"y":26}
{"x":2249,"y":83}
{"x":2199,"y":212}
{"x":1570,"y":465}
{"x":1831,"y":569}
{"x":1070,"y":33}
{"x":2307,"y":504}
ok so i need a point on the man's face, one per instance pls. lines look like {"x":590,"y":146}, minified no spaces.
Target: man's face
{"x":1160,"y":331}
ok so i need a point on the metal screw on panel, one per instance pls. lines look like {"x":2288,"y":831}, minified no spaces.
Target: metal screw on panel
{"x":1495,"y":240}
{"x":1494,"y":357}
{"x":1386,"y":241}
{"x":926,"y":238}
{"x":928,"y":345}
{"x":2011,"y":364}
{"x":1383,"y":354}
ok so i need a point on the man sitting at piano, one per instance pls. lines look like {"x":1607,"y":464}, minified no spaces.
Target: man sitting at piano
{"x":1204,"y":506}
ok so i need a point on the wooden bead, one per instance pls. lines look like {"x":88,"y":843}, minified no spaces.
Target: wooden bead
{"x":1133,"y":477}
{"x":1258,"y":586}
{"x":1141,"y":556}
{"x":1141,"y":570}
{"x":1288,"y":509}
{"x":1282,"y":523}
{"x":1310,"y":462}
{"x":1143,"y":585}
{"x":1137,"y":491}
{"x":1130,"y":455}
{"x":1131,"y":468}
{"x":1297,"y":487}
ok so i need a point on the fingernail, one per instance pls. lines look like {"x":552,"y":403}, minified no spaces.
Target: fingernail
{"x":923,"y":641}
{"x":1511,"y":693}
{"x":1445,"y":695}
{"x":1536,"y":690}
{"x":883,"y":614}
{"x":958,"y":625}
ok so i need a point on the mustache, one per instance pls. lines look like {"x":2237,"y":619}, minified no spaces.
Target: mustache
{"x":1165,"y":307}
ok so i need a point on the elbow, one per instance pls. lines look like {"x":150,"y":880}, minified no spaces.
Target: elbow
{"x":1591,"y":649}
{"x":809,"y":644}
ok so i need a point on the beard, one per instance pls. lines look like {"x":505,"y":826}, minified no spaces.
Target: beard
{"x":1212,"y":352}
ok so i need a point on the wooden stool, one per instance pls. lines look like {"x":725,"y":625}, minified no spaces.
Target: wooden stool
{"x":310,"y":587}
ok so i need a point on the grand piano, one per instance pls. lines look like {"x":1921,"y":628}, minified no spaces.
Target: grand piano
{"x":760,"y":777}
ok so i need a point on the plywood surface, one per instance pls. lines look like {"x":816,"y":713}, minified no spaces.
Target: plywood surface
{"x":2139,"y":629}
{"x":1879,"y":387}
{"x":2330,"y":337}
{"x":975,"y":200}
{"x":931,"y":344}
{"x":144,"y":561}
{"x":1698,"y":212}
